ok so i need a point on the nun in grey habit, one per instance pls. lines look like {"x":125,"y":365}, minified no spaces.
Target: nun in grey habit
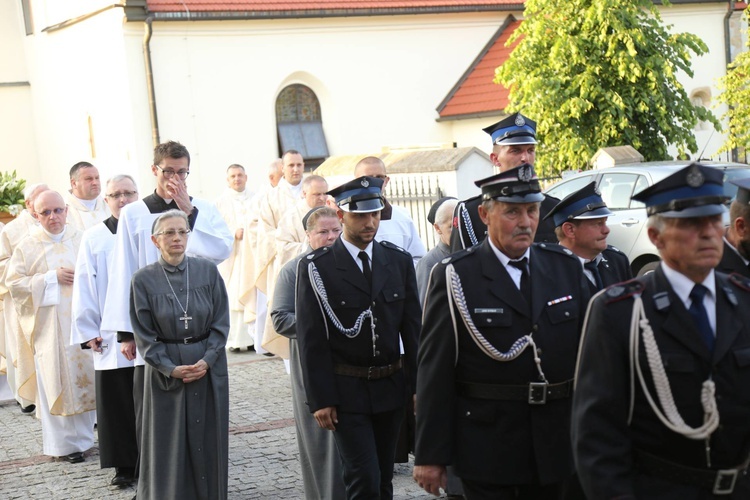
{"x":180,"y":314}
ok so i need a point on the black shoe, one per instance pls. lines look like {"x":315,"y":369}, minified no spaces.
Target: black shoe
{"x":74,"y":458}
{"x":250,"y":348}
{"x":27,"y":409}
{"x":123,"y":477}
{"x":269,"y":354}
{"x":234,"y":349}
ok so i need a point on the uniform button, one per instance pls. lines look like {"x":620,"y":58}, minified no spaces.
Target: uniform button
{"x":395,"y":295}
{"x":373,"y":303}
{"x":567,"y":313}
{"x":343,"y":302}
{"x":377,"y":353}
{"x":489,"y":320}
{"x":375,"y":320}
{"x":203,"y":478}
{"x":200,"y":449}
{"x":196,"y":393}
{"x":538,"y":352}
{"x":535,"y":328}
{"x":468,"y":413}
{"x":198,"y":421}
{"x":377,"y":336}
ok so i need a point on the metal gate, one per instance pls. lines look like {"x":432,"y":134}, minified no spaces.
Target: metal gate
{"x":416,"y":194}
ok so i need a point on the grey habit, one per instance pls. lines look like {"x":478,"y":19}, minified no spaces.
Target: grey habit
{"x":425,"y":265}
{"x":322,"y":474}
{"x":185,"y":436}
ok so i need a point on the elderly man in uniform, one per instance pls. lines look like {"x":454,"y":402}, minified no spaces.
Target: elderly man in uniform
{"x":736,"y":256}
{"x":40,"y":276}
{"x":114,"y":372}
{"x":497,"y":355}
{"x":513,"y":144}
{"x":440,"y":218}
{"x":581,"y":226}
{"x":234,"y":206}
{"x":21,"y":372}
{"x":662,"y":400}
{"x":355,"y":300}
{"x":85,"y":207}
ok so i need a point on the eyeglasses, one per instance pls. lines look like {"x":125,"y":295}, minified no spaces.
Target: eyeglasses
{"x":124,"y":194}
{"x":47,"y":213}
{"x":168,"y":174}
{"x":170,"y":233}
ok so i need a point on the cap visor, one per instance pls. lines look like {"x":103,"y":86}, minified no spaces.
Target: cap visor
{"x":595,"y":214}
{"x":702,"y":211}
{"x":529,"y":198}
{"x":363,"y":206}
{"x":516,"y":141}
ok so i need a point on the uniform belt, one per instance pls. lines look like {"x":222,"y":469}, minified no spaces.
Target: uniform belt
{"x":186,"y":340}
{"x":368,"y":372}
{"x":718,"y":481}
{"x":536,"y":393}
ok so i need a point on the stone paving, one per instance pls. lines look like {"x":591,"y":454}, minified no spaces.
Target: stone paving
{"x":263,"y":460}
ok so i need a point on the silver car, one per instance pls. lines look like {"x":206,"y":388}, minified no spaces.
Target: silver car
{"x":628,"y":222}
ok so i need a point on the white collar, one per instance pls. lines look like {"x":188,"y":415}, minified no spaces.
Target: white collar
{"x":354,"y":251}
{"x":504,"y":259}
{"x":682,"y":285}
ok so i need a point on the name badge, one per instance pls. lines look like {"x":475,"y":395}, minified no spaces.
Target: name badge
{"x":488,"y":311}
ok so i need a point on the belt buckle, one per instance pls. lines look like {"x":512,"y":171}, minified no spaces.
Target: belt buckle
{"x":187,"y":340}
{"x":538,"y":393}
{"x":370,"y":370}
{"x":724,"y":482}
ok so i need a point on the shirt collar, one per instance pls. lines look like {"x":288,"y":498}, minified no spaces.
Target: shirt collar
{"x":682,"y":285}
{"x":354,"y":250}
{"x":504,"y":259}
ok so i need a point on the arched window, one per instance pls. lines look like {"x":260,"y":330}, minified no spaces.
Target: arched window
{"x":701,"y":97}
{"x":300,"y":124}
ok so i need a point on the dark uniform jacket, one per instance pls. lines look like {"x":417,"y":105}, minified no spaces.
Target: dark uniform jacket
{"x":470,"y":230}
{"x":395,"y":304}
{"x":731,"y":262}
{"x":604,"y":445}
{"x":614,"y":267}
{"x":506,"y":442}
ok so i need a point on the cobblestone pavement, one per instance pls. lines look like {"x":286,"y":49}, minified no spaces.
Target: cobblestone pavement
{"x":263,"y":460}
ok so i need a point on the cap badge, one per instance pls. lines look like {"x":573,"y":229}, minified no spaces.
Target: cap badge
{"x":365,"y":183}
{"x":520,"y":122}
{"x":694,"y":177}
{"x":525,"y":173}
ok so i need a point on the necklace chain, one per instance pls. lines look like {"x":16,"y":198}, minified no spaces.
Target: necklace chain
{"x":187,"y":287}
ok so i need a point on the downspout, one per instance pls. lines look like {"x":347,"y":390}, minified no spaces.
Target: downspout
{"x":150,"y":80}
{"x":728,"y":55}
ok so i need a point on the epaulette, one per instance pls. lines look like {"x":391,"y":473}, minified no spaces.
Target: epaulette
{"x":554,"y":247}
{"x":459,"y":255}
{"x":317,"y":253}
{"x":740,"y":281}
{"x":623,"y":290}
{"x":388,"y":244}
{"x":615,"y":249}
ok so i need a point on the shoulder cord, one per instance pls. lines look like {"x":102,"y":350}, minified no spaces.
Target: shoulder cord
{"x":469,"y":226}
{"x":320,"y":293}
{"x":670,"y":417}
{"x":456,"y":295}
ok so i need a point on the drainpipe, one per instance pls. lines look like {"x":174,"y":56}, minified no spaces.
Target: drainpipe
{"x":728,"y":55}
{"x":150,"y":80}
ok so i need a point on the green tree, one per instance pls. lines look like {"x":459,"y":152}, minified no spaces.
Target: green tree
{"x":598,"y":73}
{"x":736,"y":95}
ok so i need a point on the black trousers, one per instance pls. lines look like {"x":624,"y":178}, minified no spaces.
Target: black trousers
{"x":367,"y":446}
{"x":475,"y":490}
{"x":115,"y":415}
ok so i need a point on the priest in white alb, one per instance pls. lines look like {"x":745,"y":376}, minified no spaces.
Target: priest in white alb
{"x":86,"y":207}
{"x":115,"y":409}
{"x":234,"y":206}
{"x":40,"y":279}
{"x":20,"y":370}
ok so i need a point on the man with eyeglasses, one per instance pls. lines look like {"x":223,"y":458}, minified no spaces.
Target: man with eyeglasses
{"x":114,"y":372}
{"x":234,"y":206}
{"x":39,"y":277}
{"x":21,"y":371}
{"x":86,"y":206}
{"x":210,"y":238}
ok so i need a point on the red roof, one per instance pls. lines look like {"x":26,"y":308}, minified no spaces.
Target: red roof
{"x":318,"y":5}
{"x":476,"y":94}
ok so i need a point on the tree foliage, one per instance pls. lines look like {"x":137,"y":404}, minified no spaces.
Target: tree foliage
{"x":736,"y":95}
{"x":598,"y":73}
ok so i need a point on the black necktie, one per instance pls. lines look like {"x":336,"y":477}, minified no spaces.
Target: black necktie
{"x":366,"y":267}
{"x":698,"y":312}
{"x":594,"y":269}
{"x":525,"y":284}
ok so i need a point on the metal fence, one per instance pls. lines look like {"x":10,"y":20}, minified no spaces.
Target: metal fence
{"x":416,"y":194}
